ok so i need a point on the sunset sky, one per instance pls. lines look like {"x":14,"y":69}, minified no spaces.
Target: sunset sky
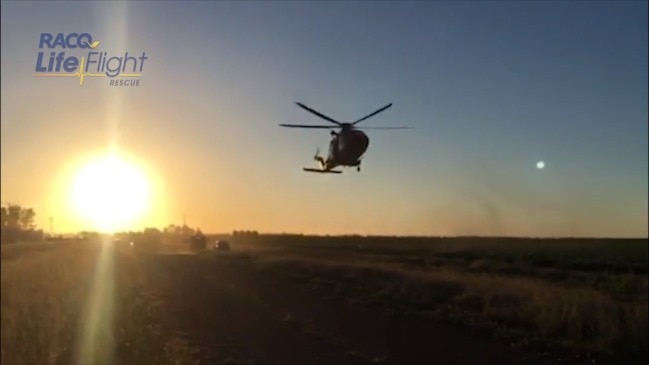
{"x":489,"y":88}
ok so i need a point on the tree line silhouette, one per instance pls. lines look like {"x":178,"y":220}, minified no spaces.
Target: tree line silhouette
{"x":17,"y":224}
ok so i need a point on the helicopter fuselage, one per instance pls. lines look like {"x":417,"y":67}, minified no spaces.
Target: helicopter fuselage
{"x":346,"y":148}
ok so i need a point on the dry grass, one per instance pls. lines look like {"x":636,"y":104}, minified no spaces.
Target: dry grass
{"x":580,"y":317}
{"x":566,"y":320}
{"x":39,"y":293}
{"x":45,"y":308}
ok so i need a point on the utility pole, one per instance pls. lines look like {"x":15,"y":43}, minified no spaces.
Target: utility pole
{"x":51,"y":226}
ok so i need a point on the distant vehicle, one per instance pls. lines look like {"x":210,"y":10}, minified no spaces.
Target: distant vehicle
{"x":346,"y":147}
{"x":222,"y":246}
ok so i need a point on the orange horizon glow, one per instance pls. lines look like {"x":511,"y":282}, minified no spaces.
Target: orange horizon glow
{"x":268,"y":216}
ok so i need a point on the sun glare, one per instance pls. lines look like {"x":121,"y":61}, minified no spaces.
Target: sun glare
{"x":110,"y":193}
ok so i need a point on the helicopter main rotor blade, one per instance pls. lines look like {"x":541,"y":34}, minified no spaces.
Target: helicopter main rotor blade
{"x":373,"y":114}
{"x":308,"y":126}
{"x":383,"y":128}
{"x":317,"y":113}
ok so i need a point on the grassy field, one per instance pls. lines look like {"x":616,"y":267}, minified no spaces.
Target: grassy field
{"x":573,"y":300}
{"x":566,"y":299}
{"x":67,"y":303}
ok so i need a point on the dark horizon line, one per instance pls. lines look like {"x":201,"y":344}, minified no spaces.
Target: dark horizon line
{"x":347,"y":235}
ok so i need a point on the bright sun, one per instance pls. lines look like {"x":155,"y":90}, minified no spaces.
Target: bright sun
{"x":110,"y":193}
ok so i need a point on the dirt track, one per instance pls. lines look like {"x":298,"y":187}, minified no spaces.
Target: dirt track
{"x":238,"y":315}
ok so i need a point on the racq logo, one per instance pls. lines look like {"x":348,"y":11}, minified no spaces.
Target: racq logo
{"x":92,"y":64}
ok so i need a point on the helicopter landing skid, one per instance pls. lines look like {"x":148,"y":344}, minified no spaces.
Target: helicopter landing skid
{"x":322,"y":171}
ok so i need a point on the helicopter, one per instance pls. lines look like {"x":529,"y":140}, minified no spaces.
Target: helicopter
{"x":346,"y":147}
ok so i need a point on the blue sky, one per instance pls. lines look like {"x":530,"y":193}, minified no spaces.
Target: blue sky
{"x":490,"y":88}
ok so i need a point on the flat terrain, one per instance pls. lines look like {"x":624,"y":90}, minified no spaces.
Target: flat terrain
{"x":244,"y":315}
{"x":301,"y":300}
